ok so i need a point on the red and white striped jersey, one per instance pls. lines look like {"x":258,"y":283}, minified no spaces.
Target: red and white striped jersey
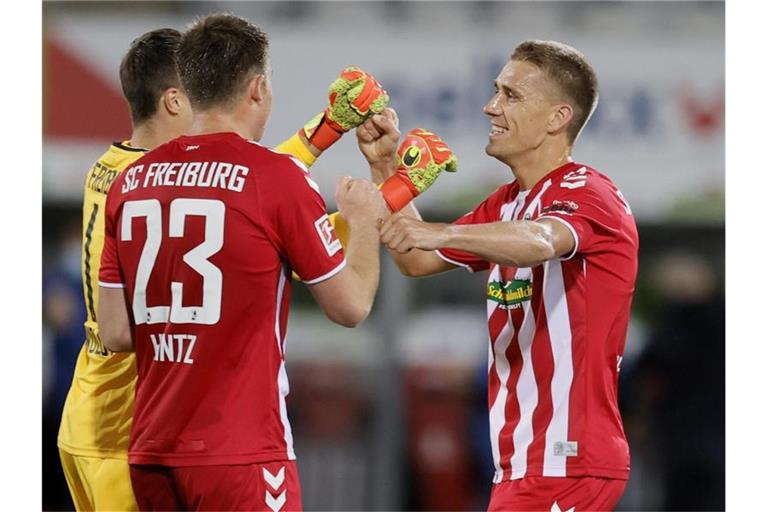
{"x":557,"y":330}
{"x":203,"y":233}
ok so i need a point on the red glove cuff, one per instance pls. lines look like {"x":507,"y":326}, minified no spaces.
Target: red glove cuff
{"x":324,"y":135}
{"x":398,"y":190}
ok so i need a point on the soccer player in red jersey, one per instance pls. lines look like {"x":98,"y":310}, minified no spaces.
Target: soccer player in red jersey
{"x":201,"y":235}
{"x":560,"y":246}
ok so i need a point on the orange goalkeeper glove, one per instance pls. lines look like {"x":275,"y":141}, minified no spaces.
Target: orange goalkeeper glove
{"x":423,"y":156}
{"x":352,"y":98}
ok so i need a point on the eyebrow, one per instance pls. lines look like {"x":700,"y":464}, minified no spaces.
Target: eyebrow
{"x":507,"y":89}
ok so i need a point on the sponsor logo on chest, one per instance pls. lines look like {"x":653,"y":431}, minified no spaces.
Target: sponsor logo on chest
{"x":510,"y":294}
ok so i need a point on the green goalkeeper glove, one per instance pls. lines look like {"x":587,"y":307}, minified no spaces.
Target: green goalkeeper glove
{"x":423,"y":156}
{"x":352,"y":98}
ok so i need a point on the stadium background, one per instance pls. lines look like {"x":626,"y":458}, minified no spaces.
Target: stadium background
{"x":392,"y":415}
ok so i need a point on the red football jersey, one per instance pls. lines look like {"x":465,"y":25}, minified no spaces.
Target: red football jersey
{"x":557,"y":330}
{"x":203,"y":233}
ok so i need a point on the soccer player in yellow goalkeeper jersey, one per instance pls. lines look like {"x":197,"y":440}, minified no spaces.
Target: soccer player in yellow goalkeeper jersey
{"x":96,"y":421}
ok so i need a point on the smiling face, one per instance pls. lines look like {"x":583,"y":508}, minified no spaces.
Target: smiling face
{"x":521,"y":111}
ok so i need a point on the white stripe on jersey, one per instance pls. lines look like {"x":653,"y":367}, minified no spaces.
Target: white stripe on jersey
{"x":527,"y":389}
{"x":301,"y":166}
{"x":282,"y":382}
{"x":496,"y":414}
{"x":559,"y":326}
{"x":280,"y":291}
{"x":536,"y":203}
{"x":282,"y":377}
{"x":312,"y":184}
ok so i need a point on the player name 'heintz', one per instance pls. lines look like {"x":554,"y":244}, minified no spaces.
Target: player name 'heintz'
{"x":173,"y":348}
{"x":222,"y":175}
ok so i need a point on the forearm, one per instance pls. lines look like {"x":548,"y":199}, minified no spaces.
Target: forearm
{"x":362,"y":256}
{"x":117,"y":341}
{"x":417,"y":262}
{"x":411,"y":263}
{"x":516,"y":243}
{"x":115,"y":328}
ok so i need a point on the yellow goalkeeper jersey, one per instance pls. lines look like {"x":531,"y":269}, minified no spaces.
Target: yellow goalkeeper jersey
{"x":96,"y":420}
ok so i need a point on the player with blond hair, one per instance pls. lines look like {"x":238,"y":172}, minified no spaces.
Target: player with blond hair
{"x":560,"y":244}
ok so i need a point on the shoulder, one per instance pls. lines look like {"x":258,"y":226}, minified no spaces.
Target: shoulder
{"x":280,"y":169}
{"x":271,"y":162}
{"x":117,"y":157}
{"x":263,"y":155}
{"x":581,"y":180}
{"x":586,"y":190}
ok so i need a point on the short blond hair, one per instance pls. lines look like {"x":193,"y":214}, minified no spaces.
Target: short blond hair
{"x":569,"y":71}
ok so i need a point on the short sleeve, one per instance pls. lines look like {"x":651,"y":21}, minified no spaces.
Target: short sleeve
{"x":299,"y":223}
{"x":109,"y":269}
{"x":487,"y":211}
{"x":591,"y":212}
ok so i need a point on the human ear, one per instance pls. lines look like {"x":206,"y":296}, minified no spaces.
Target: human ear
{"x":560,"y":116}
{"x":257,"y":88}
{"x":171,"y":101}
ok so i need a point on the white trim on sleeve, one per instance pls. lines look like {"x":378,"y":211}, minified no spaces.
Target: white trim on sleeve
{"x":328,"y":275}
{"x":573,"y":232}
{"x":454,"y":262}
{"x":111,"y":285}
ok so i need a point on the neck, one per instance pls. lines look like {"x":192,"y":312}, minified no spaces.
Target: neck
{"x":148,"y":135}
{"x":529,"y":168}
{"x":215,"y":121}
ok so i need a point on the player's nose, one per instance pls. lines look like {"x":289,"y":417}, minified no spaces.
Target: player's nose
{"x":492,"y":107}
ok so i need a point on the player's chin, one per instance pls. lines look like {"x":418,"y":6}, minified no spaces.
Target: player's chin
{"x":492,"y":149}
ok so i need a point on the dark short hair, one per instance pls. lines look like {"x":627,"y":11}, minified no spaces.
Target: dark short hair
{"x":569,"y":71}
{"x":148,"y":70}
{"x":217,"y":56}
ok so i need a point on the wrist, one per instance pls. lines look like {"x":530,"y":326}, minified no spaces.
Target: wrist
{"x":398,"y":191}
{"x":447,"y":235}
{"x":383,"y":168}
{"x":321,"y":132}
{"x":363,"y":225}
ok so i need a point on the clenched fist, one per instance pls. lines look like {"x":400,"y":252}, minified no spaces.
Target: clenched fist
{"x":359,"y":201}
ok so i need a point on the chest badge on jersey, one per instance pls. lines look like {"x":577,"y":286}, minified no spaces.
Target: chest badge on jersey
{"x":510,"y":294}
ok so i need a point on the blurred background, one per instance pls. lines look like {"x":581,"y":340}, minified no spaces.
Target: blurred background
{"x":392,"y":415}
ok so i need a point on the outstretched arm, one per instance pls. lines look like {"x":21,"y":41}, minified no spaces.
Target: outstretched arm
{"x":512,"y":243}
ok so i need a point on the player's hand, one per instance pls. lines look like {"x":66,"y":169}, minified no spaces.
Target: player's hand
{"x":423,"y":156}
{"x":377,"y":139}
{"x":352,"y":98}
{"x":400,"y":233}
{"x":359,"y":201}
